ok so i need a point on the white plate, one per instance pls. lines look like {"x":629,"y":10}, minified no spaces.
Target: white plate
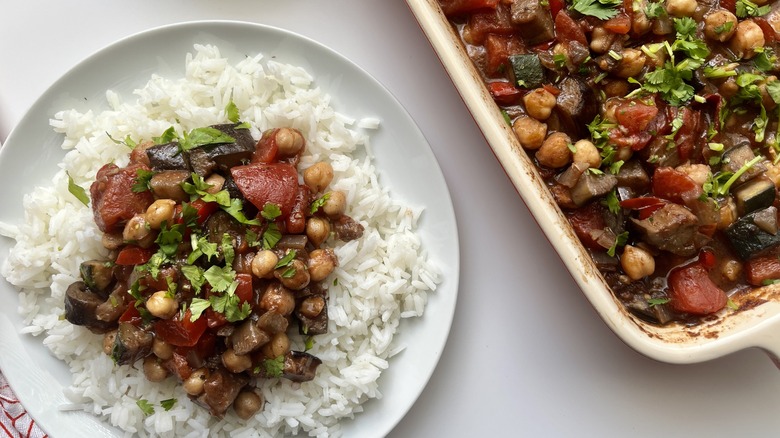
{"x":403,"y":157}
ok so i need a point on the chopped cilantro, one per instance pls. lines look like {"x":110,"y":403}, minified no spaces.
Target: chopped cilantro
{"x":202,"y":137}
{"x":231,"y":110}
{"x":271,"y":236}
{"x":168,"y":404}
{"x":725,"y":27}
{"x":219,"y":278}
{"x":142,"y":181}
{"x":127,"y":141}
{"x":601,"y":9}
{"x":146,"y":407}
{"x":612,"y":202}
{"x":746,"y":8}
{"x":271,"y":211}
{"x":657,"y":301}
{"x":230,"y":306}
{"x":655,"y":9}
{"x":309,"y":343}
{"x":195,"y":275}
{"x":620,"y":240}
{"x":318,"y":203}
{"x":200,"y":247}
{"x":286,"y":260}
{"x":77,"y":191}
{"x":197,"y":307}
{"x":168,"y":239}
{"x":236,"y":209}
{"x":274,"y":367}
{"x":168,"y":136}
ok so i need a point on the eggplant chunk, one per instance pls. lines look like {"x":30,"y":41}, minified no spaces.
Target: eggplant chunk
{"x":748,"y":239}
{"x":347,"y":229}
{"x":81,"y":308}
{"x":222,"y":156}
{"x":272,"y":322}
{"x":167,"y":185}
{"x":756,"y":194}
{"x":248,"y":337}
{"x":167,"y":156}
{"x":533,"y":21}
{"x":97,"y":275}
{"x":220,"y":390}
{"x":671,"y":228}
{"x":300,"y":366}
{"x":131,"y":343}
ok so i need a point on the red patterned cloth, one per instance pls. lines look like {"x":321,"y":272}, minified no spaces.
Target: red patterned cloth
{"x":14,"y":420}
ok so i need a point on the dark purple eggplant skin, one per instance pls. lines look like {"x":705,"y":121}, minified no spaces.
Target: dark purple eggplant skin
{"x":300,"y":366}
{"x":81,"y":308}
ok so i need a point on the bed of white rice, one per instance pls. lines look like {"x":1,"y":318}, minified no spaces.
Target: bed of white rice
{"x":382,"y":278}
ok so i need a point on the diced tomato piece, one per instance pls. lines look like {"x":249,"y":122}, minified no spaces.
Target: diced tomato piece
{"x":504,"y":93}
{"x":770,"y":35}
{"x":296,"y":222}
{"x":692,"y":291}
{"x":729,"y":5}
{"x":762,"y":268}
{"x":489,"y":21}
{"x":645,"y":206}
{"x":244,"y":290}
{"x":556,"y":6}
{"x":180,"y":331}
{"x":267,"y":183}
{"x":619,"y":24}
{"x":498,"y":48}
{"x":586,"y":221}
{"x":707,"y":258}
{"x":131,"y":315}
{"x":215,"y":319}
{"x":635,"y":116}
{"x":132,"y":255}
{"x":566,"y":29}
{"x":459,"y":7}
{"x":204,"y":209}
{"x":113,"y":199}
{"x":674,"y":185}
{"x":266,"y":149}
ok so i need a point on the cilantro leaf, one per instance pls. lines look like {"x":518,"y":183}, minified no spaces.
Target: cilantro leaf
{"x":620,"y":240}
{"x":286,"y":260}
{"x":77,"y":191}
{"x":168,"y":136}
{"x":168,"y":404}
{"x":232,"y":112}
{"x":236,"y":209}
{"x":274,"y":367}
{"x":657,"y":301}
{"x":146,"y":407}
{"x":169,"y":239}
{"x":271,"y":211}
{"x":230,"y":306}
{"x":601,"y":9}
{"x":195,"y":275}
{"x":142,"y":181}
{"x":219,"y":278}
{"x":271,"y":236}
{"x":318,"y":203}
{"x":202,"y":137}
{"x":197,"y":307}
{"x":127,"y":141}
{"x":746,"y":8}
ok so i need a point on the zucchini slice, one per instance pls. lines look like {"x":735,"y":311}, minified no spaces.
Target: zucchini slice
{"x":754,"y":195}
{"x":527,"y":70}
{"x":748,"y":239}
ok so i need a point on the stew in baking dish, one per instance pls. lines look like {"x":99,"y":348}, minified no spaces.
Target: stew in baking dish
{"x":655,"y":126}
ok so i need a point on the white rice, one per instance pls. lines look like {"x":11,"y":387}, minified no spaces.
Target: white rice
{"x":383,"y":277}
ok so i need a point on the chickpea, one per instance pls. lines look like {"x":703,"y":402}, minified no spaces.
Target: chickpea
{"x":699,"y":173}
{"x":312,"y":306}
{"x":247,"y":404}
{"x":720,"y":25}
{"x":162,"y":349}
{"x":160,"y":211}
{"x":318,"y":176}
{"x":263,"y":263}
{"x":279,"y":299}
{"x":586,"y":152}
{"x":321,"y":263}
{"x":681,"y":8}
{"x":136,"y":229}
{"x":636,"y":262}
{"x":161,"y":305}
{"x":294,"y":276}
{"x":193,"y":385}
{"x":766,"y":98}
{"x":289,"y":141}
{"x":623,"y":153}
{"x":278,"y":346}
{"x":317,"y":230}
{"x":746,"y":39}
{"x":728,"y":88}
{"x":615,"y":87}
{"x":108,"y":342}
{"x":112,"y":241}
{"x":555,"y":151}
{"x":336,"y":204}
{"x":216,"y":181}
{"x":601,"y":39}
{"x":640,"y":23}
{"x":539,"y":103}
{"x":632,"y":62}
{"x":236,"y":363}
{"x":153,"y":369}
{"x":731,"y":269}
{"x":530,"y":132}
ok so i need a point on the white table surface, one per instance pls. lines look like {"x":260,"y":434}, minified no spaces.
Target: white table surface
{"x":527,"y":355}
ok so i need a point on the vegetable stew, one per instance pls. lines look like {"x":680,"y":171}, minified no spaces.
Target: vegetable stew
{"x":655,"y":127}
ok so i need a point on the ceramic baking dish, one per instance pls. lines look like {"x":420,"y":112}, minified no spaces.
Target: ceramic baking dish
{"x":755,"y":324}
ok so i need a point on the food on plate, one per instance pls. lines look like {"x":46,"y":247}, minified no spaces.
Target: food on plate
{"x":215,"y":248}
{"x":654,"y":124}
{"x":249,"y":239}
